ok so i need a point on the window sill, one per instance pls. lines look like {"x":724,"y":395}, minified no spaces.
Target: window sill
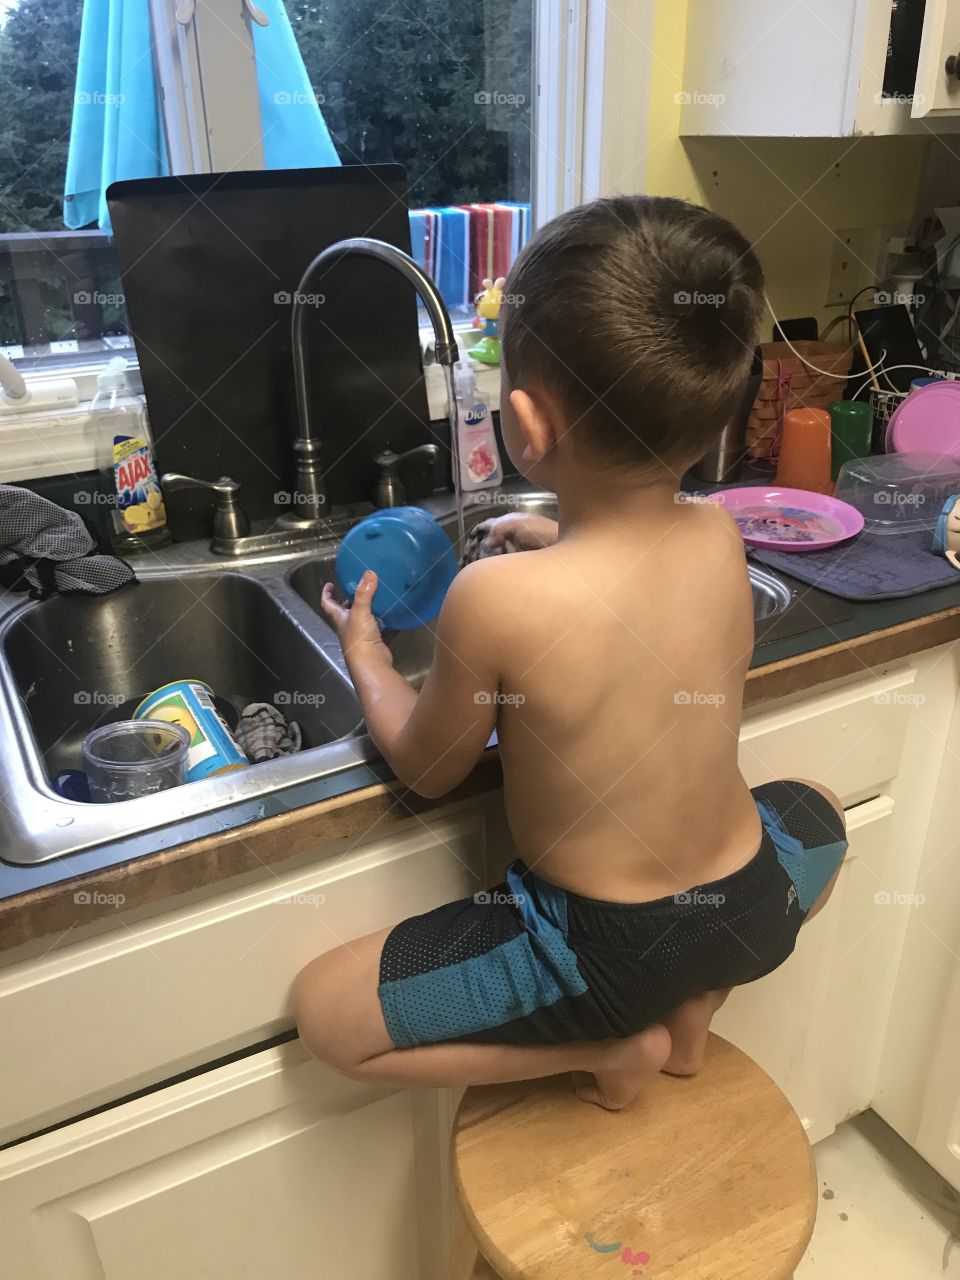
{"x":33,"y":446}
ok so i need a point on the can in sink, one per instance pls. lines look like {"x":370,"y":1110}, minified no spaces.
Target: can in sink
{"x":189,"y":703}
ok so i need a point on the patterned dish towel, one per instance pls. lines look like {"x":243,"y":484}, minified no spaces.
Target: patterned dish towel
{"x":264,"y":734}
{"x":45,"y":548}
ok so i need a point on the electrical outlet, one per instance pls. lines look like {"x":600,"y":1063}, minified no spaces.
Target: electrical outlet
{"x":848,"y":267}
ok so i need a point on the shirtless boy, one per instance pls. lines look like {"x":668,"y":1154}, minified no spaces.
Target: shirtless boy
{"x":611,"y":659}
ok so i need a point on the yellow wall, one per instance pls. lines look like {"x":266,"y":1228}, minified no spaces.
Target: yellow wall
{"x":787,"y":195}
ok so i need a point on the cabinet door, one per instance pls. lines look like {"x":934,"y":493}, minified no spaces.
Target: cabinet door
{"x":796,"y":1023}
{"x":272,"y":1166}
{"x":937,"y":91}
{"x":756,"y":68}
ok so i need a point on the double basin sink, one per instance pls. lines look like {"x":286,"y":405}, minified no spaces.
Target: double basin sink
{"x":251,"y":629}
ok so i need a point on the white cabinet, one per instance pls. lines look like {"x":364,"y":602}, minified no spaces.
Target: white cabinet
{"x":938,"y":75}
{"x":850,"y":737}
{"x":272,"y":1166}
{"x":775,"y":68}
{"x":938,"y":1133}
{"x":819,"y":1024}
{"x":154,"y":998}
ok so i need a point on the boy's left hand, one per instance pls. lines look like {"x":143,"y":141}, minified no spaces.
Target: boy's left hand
{"x":356,"y":626}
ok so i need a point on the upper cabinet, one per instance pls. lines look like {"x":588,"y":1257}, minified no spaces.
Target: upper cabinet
{"x":937,"y":91}
{"x":821,"y":69}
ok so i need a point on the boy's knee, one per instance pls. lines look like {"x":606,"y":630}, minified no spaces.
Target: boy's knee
{"x":837,"y":804}
{"x":830,"y":796}
{"x":316,"y":1000}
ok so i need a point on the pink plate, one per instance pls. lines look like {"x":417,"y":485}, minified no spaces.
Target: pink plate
{"x":774,"y":519}
{"x":927,"y":421}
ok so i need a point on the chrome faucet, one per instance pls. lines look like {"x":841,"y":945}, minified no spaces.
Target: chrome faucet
{"x":230,"y":522}
{"x":310,"y":502}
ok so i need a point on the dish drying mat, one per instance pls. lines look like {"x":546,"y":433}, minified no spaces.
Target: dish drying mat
{"x":870,"y":566}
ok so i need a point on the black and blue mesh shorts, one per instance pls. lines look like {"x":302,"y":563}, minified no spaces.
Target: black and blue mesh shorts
{"x":529,"y":963}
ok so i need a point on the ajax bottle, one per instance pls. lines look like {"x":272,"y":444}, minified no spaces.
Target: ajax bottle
{"x":138,"y":519}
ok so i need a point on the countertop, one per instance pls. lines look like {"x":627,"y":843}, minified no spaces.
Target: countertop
{"x":53,"y":898}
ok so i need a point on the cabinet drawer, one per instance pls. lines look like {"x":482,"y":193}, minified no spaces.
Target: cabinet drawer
{"x":103,"y":1018}
{"x":849,"y":739}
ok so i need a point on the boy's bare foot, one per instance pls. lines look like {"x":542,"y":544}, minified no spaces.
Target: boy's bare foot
{"x":689,"y":1026}
{"x":624,"y":1067}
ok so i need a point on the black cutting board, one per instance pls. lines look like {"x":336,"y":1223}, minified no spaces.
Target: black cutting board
{"x":207,"y":261}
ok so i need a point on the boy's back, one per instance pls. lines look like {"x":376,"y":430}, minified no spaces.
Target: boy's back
{"x":624,"y":651}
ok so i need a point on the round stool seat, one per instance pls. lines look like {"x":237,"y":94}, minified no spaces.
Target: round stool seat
{"x":704,"y":1178}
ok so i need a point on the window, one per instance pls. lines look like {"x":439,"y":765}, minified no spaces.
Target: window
{"x":443,"y":89}
{"x":448,"y":92}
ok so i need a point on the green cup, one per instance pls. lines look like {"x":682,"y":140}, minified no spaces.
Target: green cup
{"x":851,"y":427}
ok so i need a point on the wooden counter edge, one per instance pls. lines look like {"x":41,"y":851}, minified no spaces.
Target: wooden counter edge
{"x":860,"y":655}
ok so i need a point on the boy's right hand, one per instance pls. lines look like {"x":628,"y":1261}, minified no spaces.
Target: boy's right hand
{"x":355,"y":625}
{"x":526,"y":532}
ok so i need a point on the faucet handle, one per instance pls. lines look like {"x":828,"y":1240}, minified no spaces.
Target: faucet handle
{"x":177,"y":480}
{"x":390,"y":491}
{"x":230,"y":521}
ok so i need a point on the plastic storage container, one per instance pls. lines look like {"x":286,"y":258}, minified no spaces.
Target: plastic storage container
{"x":899,"y":492}
{"x":133,"y":758}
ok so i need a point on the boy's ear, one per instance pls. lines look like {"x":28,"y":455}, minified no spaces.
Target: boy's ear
{"x":536,"y":423}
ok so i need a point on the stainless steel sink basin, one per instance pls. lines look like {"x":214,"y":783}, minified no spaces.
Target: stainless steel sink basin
{"x":78,"y":662}
{"x":69,"y":663}
{"x":251,"y":628}
{"x":770,"y":596}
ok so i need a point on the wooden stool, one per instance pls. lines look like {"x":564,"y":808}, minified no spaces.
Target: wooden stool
{"x":705,"y":1178}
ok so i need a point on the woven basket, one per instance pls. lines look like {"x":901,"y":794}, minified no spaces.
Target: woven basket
{"x":788,"y":383}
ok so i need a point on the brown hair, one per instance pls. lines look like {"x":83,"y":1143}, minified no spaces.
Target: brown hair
{"x":640,"y":314}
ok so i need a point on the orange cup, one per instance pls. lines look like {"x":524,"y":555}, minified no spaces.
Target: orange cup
{"x":804,"y":461}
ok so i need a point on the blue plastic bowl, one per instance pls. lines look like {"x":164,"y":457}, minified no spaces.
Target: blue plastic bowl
{"x":413,"y":559}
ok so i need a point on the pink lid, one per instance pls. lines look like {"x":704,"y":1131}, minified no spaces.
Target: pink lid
{"x":927,"y":421}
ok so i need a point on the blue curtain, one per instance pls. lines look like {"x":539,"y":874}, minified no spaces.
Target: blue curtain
{"x":117,"y":131}
{"x":295,"y":135}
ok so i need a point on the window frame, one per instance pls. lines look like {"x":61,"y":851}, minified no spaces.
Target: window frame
{"x":206,"y":72}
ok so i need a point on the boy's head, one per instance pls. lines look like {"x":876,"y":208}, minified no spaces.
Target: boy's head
{"x":629,"y":324}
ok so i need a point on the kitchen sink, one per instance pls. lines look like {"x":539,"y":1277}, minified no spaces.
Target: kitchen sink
{"x":78,"y":662}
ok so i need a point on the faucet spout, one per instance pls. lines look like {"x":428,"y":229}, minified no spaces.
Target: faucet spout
{"x":310,"y":501}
